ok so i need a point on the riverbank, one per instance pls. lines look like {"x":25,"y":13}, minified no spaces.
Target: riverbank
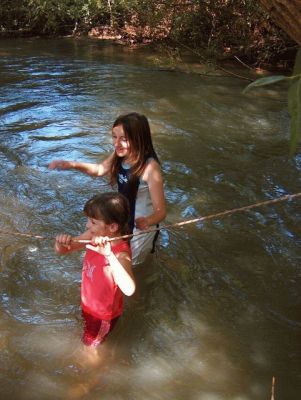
{"x":174,"y":53}
{"x":176,"y":56}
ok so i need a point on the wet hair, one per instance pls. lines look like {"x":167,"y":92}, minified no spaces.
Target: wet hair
{"x":110,"y":208}
{"x":137,"y":131}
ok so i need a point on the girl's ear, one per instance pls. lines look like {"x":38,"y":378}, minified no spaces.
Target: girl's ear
{"x":114,"y":227}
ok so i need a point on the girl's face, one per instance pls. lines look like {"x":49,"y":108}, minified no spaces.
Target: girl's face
{"x":120,"y":142}
{"x":98,"y":227}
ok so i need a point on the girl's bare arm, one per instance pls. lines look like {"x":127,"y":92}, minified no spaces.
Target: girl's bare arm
{"x":91,"y":169}
{"x":153,"y":177}
{"x":122,"y":271}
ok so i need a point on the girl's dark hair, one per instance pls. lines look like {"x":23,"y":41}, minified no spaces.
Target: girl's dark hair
{"x":137,"y":132}
{"x":111,"y":208}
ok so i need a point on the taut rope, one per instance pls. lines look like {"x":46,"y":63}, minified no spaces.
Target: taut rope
{"x":174,"y":225}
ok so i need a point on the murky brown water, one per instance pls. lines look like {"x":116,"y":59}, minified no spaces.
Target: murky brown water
{"x":217,"y":312}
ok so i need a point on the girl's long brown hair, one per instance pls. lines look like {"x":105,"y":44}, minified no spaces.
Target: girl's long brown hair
{"x":137,"y":131}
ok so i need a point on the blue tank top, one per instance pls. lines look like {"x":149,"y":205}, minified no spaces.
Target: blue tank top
{"x":123,"y":182}
{"x":141,"y":204}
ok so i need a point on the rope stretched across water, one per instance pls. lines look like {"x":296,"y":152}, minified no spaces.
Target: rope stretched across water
{"x":174,"y":225}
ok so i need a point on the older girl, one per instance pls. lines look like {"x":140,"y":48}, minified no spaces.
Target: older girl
{"x":135,"y":168}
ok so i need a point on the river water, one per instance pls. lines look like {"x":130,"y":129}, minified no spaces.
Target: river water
{"x":217,"y":312}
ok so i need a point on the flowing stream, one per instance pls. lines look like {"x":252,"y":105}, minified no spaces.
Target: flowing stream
{"x":217,"y":312}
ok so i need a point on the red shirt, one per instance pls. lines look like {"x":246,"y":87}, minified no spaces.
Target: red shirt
{"x":100,"y":296}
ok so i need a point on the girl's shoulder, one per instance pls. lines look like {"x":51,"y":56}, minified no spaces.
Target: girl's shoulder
{"x":122,"y":246}
{"x":122,"y":249}
{"x":151,"y":166}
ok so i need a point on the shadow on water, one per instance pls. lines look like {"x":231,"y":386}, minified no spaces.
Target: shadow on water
{"x":217,"y":311}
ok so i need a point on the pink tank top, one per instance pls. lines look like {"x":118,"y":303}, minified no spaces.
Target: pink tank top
{"x":100,"y":296}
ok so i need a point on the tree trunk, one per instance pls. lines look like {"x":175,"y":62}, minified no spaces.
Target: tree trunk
{"x":110,"y":3}
{"x":286,"y":14}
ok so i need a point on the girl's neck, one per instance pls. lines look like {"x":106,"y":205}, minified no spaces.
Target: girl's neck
{"x":128,"y":160}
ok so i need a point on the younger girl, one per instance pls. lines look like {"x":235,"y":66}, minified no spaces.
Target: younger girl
{"x":135,"y":167}
{"x":107,"y":270}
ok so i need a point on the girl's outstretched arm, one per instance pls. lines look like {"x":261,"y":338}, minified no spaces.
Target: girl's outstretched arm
{"x":153,"y":176}
{"x":91,"y":169}
{"x":121,"y":264}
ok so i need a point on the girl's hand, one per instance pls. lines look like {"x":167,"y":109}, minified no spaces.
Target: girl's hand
{"x":63,"y":241}
{"x":142,"y":223}
{"x":60,"y":164}
{"x":101,"y":245}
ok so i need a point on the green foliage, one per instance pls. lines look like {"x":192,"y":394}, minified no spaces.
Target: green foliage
{"x":294,"y":99}
{"x":54,"y":16}
{"x":47,"y":16}
{"x":228,"y":27}
{"x":266,"y":81}
{"x":51,"y":16}
{"x":12,"y":14}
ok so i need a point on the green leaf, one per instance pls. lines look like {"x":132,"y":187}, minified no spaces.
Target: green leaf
{"x":269,"y":80}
